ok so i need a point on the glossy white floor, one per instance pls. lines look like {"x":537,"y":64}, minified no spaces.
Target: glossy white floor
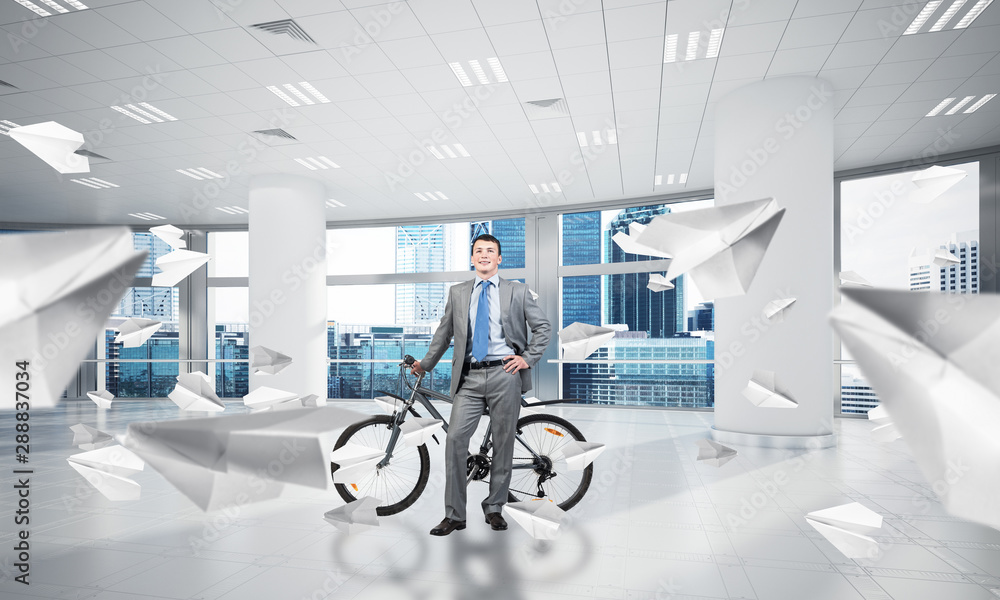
{"x":655,"y":524}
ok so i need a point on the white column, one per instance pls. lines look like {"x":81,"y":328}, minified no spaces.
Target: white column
{"x":288,"y":279}
{"x":774,"y":139}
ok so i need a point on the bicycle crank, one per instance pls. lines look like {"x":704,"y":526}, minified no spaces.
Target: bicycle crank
{"x":477,"y":467}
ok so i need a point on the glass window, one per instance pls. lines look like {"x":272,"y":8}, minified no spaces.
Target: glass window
{"x":230,"y":252}
{"x":229,"y":323}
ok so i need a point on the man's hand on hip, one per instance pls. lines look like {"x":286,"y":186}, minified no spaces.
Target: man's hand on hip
{"x":514,"y":363}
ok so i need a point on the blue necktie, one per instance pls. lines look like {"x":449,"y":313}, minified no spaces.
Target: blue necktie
{"x":481,"y":333}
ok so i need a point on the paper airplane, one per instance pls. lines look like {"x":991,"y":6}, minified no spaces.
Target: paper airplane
{"x":88,"y":438}
{"x":169,"y":234}
{"x":265,"y":360}
{"x":239,"y":459}
{"x":658,"y":283}
{"x":845,"y":527}
{"x":312,"y":400}
{"x":885,"y":430}
{"x":714,"y":453}
{"x":762,"y":390}
{"x":629,"y":243}
{"x":194,"y":391}
{"x":388,"y":404}
{"x":176,"y":266}
{"x":850,"y":278}
{"x":580,"y":340}
{"x":56,"y":292}
{"x":540,"y":518}
{"x":356,"y":462}
{"x":719,"y":247}
{"x":943,"y":258}
{"x":933,"y":182}
{"x":267,"y":396}
{"x":578,"y":454}
{"x":417,"y":432}
{"x":102,"y":398}
{"x":931,"y":357}
{"x":525,"y":410}
{"x":55,"y":144}
{"x":775,"y":309}
{"x":134,"y":332}
{"x":534,"y":294}
{"x":355,"y":517}
{"x":108,"y":469}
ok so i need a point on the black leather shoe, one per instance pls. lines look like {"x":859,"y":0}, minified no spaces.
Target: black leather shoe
{"x":447,"y":526}
{"x":496,"y":521}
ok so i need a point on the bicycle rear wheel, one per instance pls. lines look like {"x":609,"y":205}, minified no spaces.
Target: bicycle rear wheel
{"x":546,"y":435}
{"x":399,"y":483}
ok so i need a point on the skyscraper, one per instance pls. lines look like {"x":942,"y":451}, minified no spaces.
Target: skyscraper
{"x":581,"y":246}
{"x":421,"y":249}
{"x":961,"y":277}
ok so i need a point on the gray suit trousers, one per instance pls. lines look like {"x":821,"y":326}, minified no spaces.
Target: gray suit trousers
{"x":501,"y":392}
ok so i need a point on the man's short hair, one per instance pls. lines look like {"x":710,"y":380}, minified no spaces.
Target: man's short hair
{"x":486,"y":238}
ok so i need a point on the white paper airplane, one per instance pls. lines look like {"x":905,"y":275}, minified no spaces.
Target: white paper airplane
{"x":719,"y":247}
{"x":239,"y":459}
{"x":885,"y":430}
{"x":356,"y":462}
{"x":194,"y":391}
{"x":525,"y":411}
{"x":355,"y":517}
{"x":134,"y":332}
{"x":714,"y":453}
{"x":313,"y":400}
{"x":267,"y":396}
{"x":762,"y":390}
{"x":850,"y":278}
{"x":102,"y":399}
{"x":55,"y":144}
{"x":88,"y":438}
{"x":534,"y":294}
{"x":943,"y":258}
{"x":108,"y":469}
{"x":846,"y":527}
{"x":265,"y":360}
{"x":932,"y":359}
{"x":580,"y":340}
{"x":578,"y":454}
{"x":176,"y":266}
{"x":659,"y":283}
{"x":56,"y":292}
{"x":540,"y":518}
{"x":629,"y":242}
{"x":933,"y":182}
{"x":388,"y":404}
{"x":417,"y":432}
{"x":170,"y":234}
{"x":775,"y":309}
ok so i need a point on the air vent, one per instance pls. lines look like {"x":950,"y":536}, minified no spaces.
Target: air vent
{"x":546,"y":109}
{"x":91,"y":155}
{"x":285,"y":27}
{"x":275,"y":137}
{"x":5,"y":84}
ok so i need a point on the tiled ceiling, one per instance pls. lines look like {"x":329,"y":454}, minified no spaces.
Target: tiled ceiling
{"x":569,"y":71}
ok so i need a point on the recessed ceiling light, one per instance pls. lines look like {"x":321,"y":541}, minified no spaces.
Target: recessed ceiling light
{"x":948,"y":14}
{"x":922,"y":17}
{"x":598,"y":137}
{"x":979,"y":103}
{"x":939,"y":107}
{"x":146,"y":114}
{"x":95,"y":183}
{"x":6,"y":126}
{"x":331,"y":203}
{"x":683,"y":178}
{"x":38,"y":10}
{"x":320,"y":162}
{"x":960,"y":104}
{"x":474,"y":65}
{"x":459,"y":149}
{"x":547,"y":188}
{"x":147,"y":216}
{"x":714,"y":43}
{"x":155,"y":110}
{"x":200,"y":173}
{"x":671,"y":177}
{"x":305,"y":99}
{"x":131,"y":116}
{"x":233,"y":210}
{"x":692,"y":49}
{"x":672,"y":40}
{"x":430,"y":196}
{"x":670,"y":48}
{"x":974,"y":12}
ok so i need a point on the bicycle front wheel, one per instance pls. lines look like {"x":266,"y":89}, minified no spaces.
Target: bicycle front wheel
{"x":546,"y":435}
{"x":398,"y":484}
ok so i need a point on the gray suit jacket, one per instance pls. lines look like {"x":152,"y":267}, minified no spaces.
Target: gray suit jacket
{"x":519,"y":312}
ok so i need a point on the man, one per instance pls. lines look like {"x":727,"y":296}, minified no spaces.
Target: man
{"x":489,"y":318}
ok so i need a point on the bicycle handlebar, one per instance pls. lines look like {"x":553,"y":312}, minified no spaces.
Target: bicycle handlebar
{"x":409,"y":360}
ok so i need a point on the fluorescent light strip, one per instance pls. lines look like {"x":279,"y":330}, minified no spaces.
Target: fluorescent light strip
{"x":979,"y":103}
{"x":298,"y":94}
{"x":449,"y":151}
{"x":437,"y":153}
{"x":922,"y":17}
{"x":79,"y":6}
{"x":939,"y":107}
{"x":41,"y":12}
{"x":334,"y":204}
{"x":6,"y":126}
{"x":233,"y":210}
{"x":55,"y":7}
{"x":670,"y":49}
{"x":329,"y":162}
{"x":670,"y":179}
{"x":658,"y":180}
{"x":207,"y":172}
{"x":960,"y":104}
{"x":101,"y":182}
{"x":612,"y":136}
{"x":715,"y":42}
{"x":478,"y":70}
{"x":87,"y":183}
{"x":191,"y":173}
{"x":139,"y":111}
{"x":152,"y":108}
{"x":498,"y":71}
{"x":147,"y":216}
{"x":305,"y":164}
{"x":948,"y":14}
{"x":277,"y":92}
{"x":582,"y":137}
{"x":545,"y":188}
{"x":974,"y":12}
{"x":556,"y":188}
{"x":316,"y":162}
{"x":460,"y":73}
{"x":419,"y":195}
{"x":130,"y":115}
{"x":226,"y":210}
{"x":442,"y":196}
{"x":534,"y":190}
{"x":683,"y":178}
{"x":461,"y":150}
{"x":692,"y":50}
{"x":318,"y":95}
{"x":596,"y":139}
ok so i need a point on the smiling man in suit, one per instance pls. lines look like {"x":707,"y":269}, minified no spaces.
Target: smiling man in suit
{"x":489,"y":318}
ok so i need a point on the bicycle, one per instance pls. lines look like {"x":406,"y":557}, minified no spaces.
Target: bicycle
{"x":402,"y":474}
